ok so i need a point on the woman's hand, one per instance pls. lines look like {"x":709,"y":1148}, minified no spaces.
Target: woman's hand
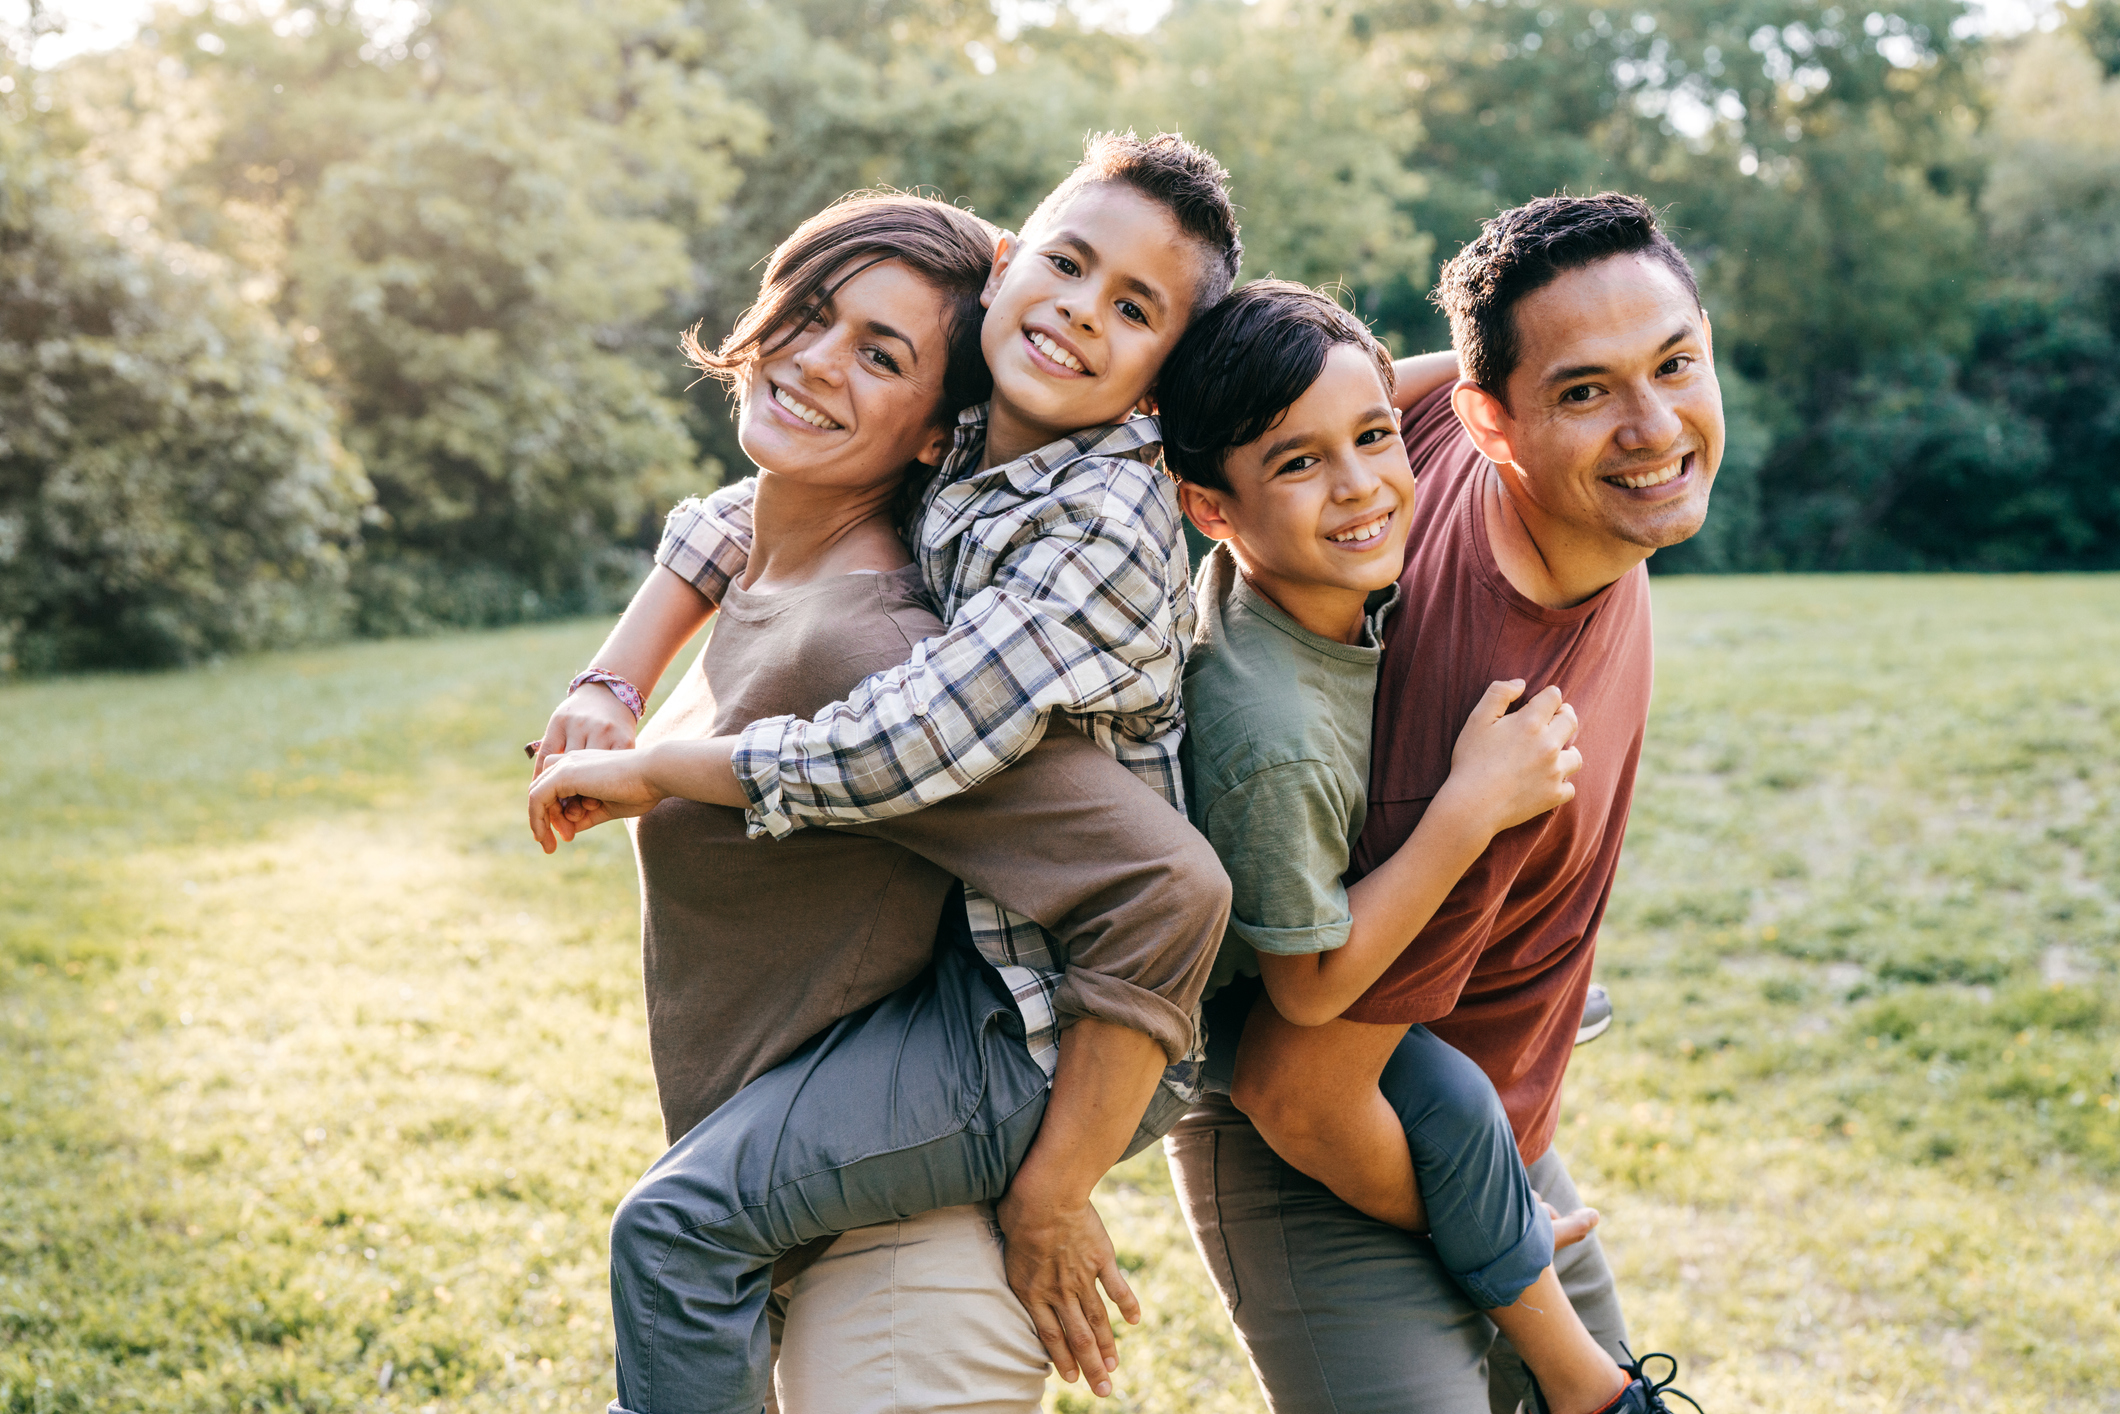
{"x":592,"y":717}
{"x":1513,"y":766}
{"x":585,"y":788}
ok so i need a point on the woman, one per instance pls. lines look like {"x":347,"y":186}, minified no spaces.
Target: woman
{"x":850,"y":370}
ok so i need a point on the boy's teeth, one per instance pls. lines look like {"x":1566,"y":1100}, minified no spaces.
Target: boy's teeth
{"x":1054,"y":352}
{"x":1362,"y":532}
{"x":804,"y":411}
{"x":1652,"y":478}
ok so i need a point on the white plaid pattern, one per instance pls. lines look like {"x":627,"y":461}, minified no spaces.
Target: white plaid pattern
{"x":1062,"y":579}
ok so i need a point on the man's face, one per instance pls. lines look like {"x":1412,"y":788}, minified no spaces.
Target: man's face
{"x":1319,"y":505}
{"x":1614,"y":424}
{"x":1082,"y":311}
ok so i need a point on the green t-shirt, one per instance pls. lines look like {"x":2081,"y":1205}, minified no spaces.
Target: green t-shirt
{"x":1277,"y":763}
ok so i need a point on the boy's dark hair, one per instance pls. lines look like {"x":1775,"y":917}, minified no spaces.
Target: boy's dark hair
{"x":945,"y":245}
{"x":1184,"y":179}
{"x":1525,"y":249}
{"x":1239,"y":368}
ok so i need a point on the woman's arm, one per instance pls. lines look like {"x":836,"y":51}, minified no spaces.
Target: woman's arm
{"x":1506,"y":768}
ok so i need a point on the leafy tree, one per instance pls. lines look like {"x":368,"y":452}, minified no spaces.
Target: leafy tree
{"x":170,"y":487}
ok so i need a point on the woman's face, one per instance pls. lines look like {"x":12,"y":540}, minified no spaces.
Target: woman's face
{"x":856,"y":395}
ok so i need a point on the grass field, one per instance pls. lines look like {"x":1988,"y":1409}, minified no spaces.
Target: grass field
{"x":318,"y":1083}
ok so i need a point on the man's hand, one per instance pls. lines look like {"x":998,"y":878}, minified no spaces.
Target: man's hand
{"x":1056,"y":1256}
{"x":586,"y":788}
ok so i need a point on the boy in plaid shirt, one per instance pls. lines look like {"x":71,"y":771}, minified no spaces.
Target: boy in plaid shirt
{"x":1051,"y":544}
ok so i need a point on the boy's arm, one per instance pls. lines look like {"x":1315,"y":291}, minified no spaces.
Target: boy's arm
{"x":1507,"y":767}
{"x":705,"y":544}
{"x":1079,"y":620}
{"x":1415,"y":378}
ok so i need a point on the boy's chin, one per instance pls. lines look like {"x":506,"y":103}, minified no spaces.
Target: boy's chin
{"x":1051,"y":404}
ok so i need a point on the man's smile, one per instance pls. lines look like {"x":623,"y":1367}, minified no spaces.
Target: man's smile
{"x":1662,"y":478}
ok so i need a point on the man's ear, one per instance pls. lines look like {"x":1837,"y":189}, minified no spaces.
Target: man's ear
{"x":1204,"y":509}
{"x":1485,"y":421}
{"x":1005,"y":247}
{"x":1707,"y":336}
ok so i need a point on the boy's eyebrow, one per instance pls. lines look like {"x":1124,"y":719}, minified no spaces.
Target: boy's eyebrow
{"x":1135,"y":283}
{"x":1591,"y":370}
{"x":1380,"y":413}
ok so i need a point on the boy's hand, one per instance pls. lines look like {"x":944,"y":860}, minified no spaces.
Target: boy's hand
{"x":1513,"y":766}
{"x":591,"y":717}
{"x":586,"y":788}
{"x":1055,"y":1258}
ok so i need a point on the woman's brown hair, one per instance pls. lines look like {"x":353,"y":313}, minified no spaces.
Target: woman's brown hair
{"x":945,"y":245}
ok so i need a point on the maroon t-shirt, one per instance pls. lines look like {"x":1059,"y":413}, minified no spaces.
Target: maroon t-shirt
{"x":1501,"y":970}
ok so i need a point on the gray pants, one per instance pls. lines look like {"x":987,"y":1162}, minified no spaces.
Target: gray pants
{"x":1341,"y":1314}
{"x":926,"y":1100}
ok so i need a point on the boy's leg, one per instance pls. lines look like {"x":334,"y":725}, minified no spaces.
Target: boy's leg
{"x":926,"y":1100}
{"x":1339,"y":1313}
{"x":1584,"y":1275}
{"x":907,"y":1317}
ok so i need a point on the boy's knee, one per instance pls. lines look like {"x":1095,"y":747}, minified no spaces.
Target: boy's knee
{"x":1444,"y":1085}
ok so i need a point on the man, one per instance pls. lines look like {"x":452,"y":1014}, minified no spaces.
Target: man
{"x":1582,"y":436}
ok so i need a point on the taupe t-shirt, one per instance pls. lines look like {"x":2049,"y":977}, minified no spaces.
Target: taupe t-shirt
{"x":751,"y":947}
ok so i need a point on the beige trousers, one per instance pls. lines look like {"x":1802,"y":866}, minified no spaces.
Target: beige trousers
{"x":907,"y":1318}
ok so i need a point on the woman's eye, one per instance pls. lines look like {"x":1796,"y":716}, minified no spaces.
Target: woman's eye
{"x":1133,"y":311}
{"x":883,"y":360}
{"x":1064,"y":265}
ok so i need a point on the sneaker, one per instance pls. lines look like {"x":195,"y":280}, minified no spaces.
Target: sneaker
{"x":1597,"y":1014}
{"x":1644,"y":1393}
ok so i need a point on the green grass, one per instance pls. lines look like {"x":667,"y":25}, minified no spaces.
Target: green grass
{"x":318,"y":1083}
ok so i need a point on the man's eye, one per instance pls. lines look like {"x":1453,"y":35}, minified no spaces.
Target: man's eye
{"x":1581,"y":393}
{"x":1133,"y":311}
{"x":1676,"y":363}
{"x":1064,"y":265}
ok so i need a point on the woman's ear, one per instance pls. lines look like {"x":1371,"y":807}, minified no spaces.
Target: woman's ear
{"x":1203,"y":508}
{"x":936,"y":447}
{"x":1005,"y":247}
{"x":1486,"y":421}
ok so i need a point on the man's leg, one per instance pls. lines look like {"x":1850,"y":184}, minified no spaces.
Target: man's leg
{"x":927,"y":1100}
{"x":1339,"y":1313}
{"x":1585,"y":1276}
{"x":909,"y":1317}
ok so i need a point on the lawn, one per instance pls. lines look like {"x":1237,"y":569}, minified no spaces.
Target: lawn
{"x":318,"y":1083}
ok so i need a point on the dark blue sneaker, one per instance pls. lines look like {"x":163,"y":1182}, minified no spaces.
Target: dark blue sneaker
{"x":1644,"y":1393}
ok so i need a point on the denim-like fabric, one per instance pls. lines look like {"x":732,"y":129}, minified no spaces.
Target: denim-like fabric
{"x":1488,"y":1228}
{"x":926,"y":1100}
{"x":1342,"y":1314}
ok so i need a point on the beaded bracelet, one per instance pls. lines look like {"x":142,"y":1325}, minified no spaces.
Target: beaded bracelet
{"x":624,"y":691}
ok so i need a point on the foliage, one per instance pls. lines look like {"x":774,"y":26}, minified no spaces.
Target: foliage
{"x":170,"y":487}
{"x":276,"y":999}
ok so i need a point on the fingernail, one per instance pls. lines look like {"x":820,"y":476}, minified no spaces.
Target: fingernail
{"x":1111,"y":1362}
{"x":1104,"y":1387}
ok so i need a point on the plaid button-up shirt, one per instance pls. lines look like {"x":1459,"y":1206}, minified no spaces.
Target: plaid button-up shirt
{"x":1062,"y":580}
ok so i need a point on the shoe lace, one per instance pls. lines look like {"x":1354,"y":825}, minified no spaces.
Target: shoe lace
{"x":1657,"y":1389}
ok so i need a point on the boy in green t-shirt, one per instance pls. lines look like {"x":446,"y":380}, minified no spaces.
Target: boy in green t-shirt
{"x":1279,"y":423}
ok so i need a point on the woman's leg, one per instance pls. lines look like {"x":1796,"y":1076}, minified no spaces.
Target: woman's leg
{"x":908,"y":1317}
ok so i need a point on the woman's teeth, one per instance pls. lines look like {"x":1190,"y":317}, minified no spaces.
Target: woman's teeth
{"x":1367,"y":530}
{"x":1646,"y":479}
{"x":1054,"y":352}
{"x":804,"y":411}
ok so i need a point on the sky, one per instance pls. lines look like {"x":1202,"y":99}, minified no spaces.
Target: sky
{"x":105,"y":24}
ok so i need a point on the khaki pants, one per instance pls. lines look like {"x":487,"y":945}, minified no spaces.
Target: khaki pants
{"x":905,"y":1318}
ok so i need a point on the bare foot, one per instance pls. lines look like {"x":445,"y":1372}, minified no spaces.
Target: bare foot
{"x":1573,"y":1228}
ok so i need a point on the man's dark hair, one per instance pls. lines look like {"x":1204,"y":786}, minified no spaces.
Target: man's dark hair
{"x":1242,"y":365}
{"x":1183,"y":179}
{"x":1525,"y":249}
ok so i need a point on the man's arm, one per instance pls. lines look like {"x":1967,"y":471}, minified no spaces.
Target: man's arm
{"x":1079,"y":620}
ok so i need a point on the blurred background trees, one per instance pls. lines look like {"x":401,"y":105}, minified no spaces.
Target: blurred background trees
{"x":324,"y":318}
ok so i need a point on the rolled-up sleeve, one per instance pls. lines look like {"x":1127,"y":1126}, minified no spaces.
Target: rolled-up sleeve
{"x":707,"y":540}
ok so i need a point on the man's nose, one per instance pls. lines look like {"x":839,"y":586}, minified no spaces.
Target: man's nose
{"x":1651,"y":422}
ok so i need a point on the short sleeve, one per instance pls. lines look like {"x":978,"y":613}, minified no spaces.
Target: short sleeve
{"x":1282,"y":835}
